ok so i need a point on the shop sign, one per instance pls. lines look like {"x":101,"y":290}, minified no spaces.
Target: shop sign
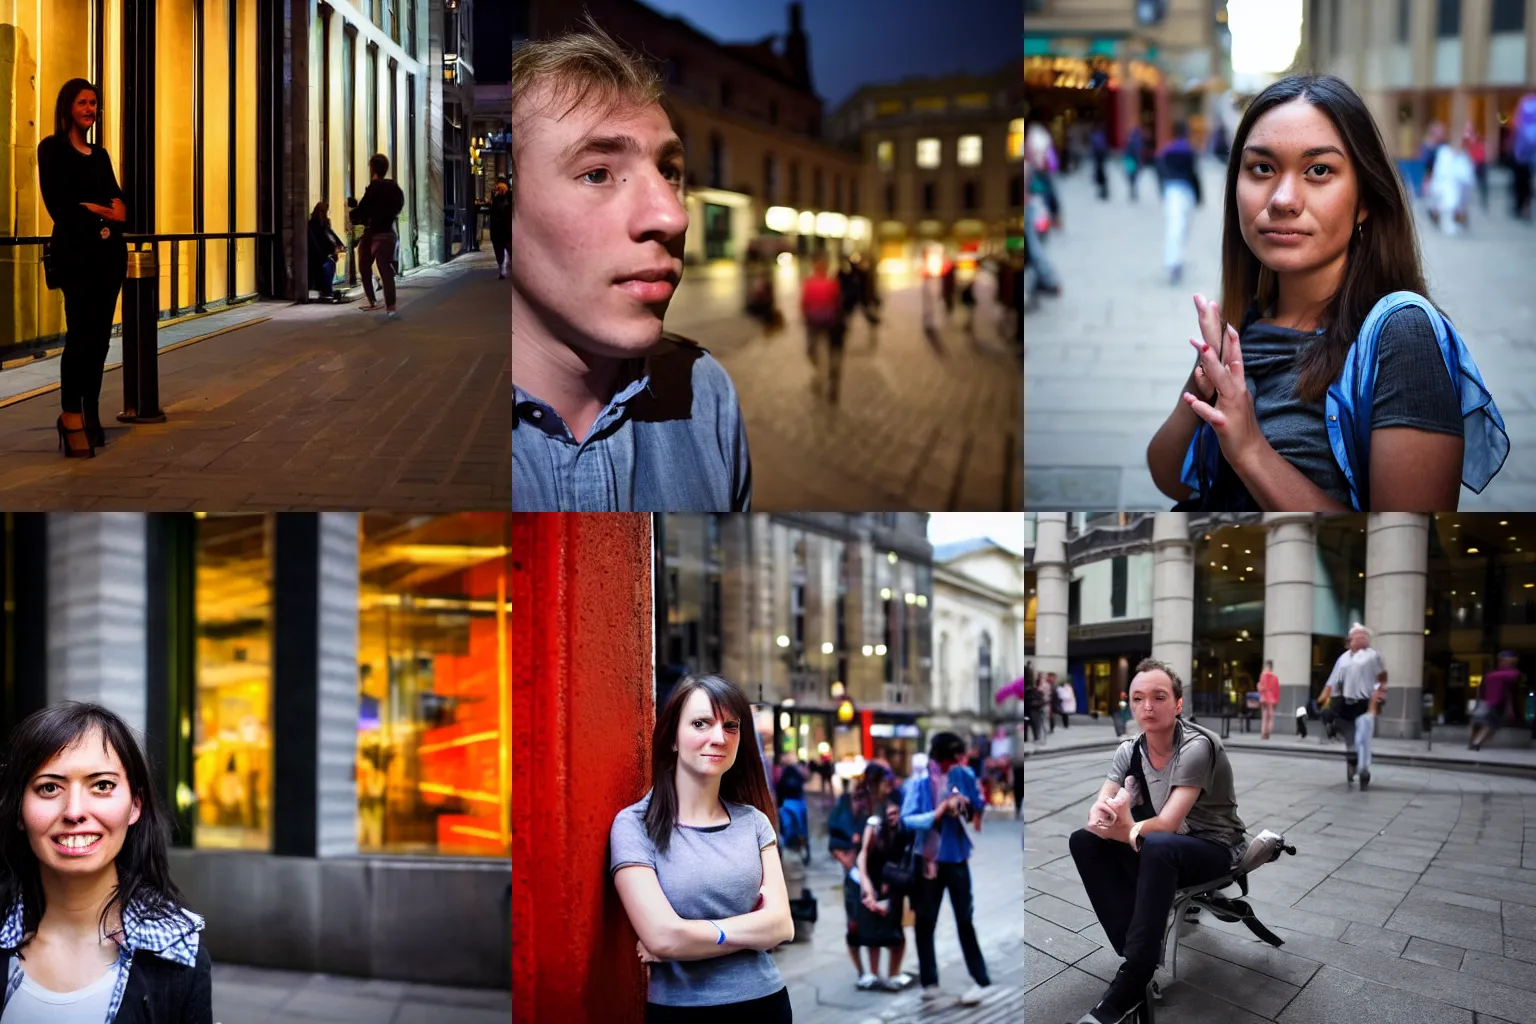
{"x":894,"y":730}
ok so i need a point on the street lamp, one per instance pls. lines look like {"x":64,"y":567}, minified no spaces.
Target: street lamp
{"x":868,"y":650}
{"x":783,"y":640}
{"x":880,"y":650}
{"x":826,"y":648}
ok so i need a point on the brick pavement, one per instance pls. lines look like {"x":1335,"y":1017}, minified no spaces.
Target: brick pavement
{"x":915,"y":429}
{"x":1414,"y":902}
{"x":257,"y":995}
{"x":320,"y":407}
{"x":1105,"y":361}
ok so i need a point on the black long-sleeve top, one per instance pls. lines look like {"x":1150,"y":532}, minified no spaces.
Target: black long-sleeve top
{"x":1178,"y":164}
{"x":379,"y":207}
{"x":68,"y":178}
{"x":501,"y":216}
{"x":323,"y":243}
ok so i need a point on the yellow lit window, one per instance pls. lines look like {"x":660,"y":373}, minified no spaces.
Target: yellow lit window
{"x":1016,"y":139}
{"x":930,"y":105}
{"x":890,"y":108}
{"x":973,"y":101}
{"x":885,"y":154}
{"x":968,"y":152}
{"x":927,"y":152}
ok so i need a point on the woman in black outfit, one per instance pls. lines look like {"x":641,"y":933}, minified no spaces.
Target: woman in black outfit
{"x":89,"y":258}
{"x":501,"y":226}
{"x":324,"y":250}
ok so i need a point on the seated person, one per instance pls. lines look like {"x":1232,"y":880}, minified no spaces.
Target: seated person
{"x":324,"y":249}
{"x":1165,"y":819}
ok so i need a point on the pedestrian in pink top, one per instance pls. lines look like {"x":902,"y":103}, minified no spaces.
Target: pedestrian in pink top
{"x":1269,"y":698}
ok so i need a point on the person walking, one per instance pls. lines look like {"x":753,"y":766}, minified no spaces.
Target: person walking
{"x":325,"y":248}
{"x":1472,"y":142}
{"x":821,"y":306}
{"x":1034,"y":707}
{"x":935,"y":805}
{"x":1018,"y":777}
{"x":881,"y":903}
{"x":1132,"y":157}
{"x":1496,"y":700}
{"x":1181,"y":194}
{"x":789,"y":794}
{"x":376,"y":211}
{"x":1359,"y":679}
{"x":94,"y":925}
{"x":1522,"y":149}
{"x":853,"y":282}
{"x":1269,"y":699}
{"x":696,"y":865}
{"x":845,"y":834}
{"x":1100,"y":145}
{"x":500,"y":223}
{"x":1066,"y":701}
{"x":1053,"y":696}
{"x":87,"y":258}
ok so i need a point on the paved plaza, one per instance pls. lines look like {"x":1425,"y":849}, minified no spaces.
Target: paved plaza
{"x":1413,"y":903}
{"x":916,"y":427}
{"x":256,"y":995}
{"x":1106,"y":360}
{"x":315,"y":406}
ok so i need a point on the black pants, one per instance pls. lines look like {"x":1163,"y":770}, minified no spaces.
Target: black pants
{"x":1018,"y":788}
{"x":501,"y":245}
{"x":1132,"y":892}
{"x":90,"y":299}
{"x":930,"y":894}
{"x":1034,"y":725}
{"x":1522,"y":189}
{"x":774,"y":1009}
{"x":1064,"y":722}
{"x":379,"y":248}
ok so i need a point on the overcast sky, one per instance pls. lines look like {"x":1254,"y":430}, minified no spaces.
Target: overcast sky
{"x":1007,"y":528}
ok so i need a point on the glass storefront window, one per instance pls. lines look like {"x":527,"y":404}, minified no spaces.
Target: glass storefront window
{"x":434,"y":768}
{"x":1229,"y":617}
{"x":232,"y":741}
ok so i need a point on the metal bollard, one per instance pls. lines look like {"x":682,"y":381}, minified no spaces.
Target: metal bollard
{"x":141,"y":314}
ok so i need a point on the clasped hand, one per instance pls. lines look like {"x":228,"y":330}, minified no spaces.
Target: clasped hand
{"x":1221,"y":370}
{"x":1112,"y":821}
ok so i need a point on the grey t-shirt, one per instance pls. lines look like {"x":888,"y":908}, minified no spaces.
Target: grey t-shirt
{"x":33,"y":1004}
{"x":707,"y":874}
{"x":1198,"y":760}
{"x":1354,"y":675}
{"x":1413,"y":389}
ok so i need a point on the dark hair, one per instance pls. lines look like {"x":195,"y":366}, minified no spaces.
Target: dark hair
{"x":64,"y":108}
{"x":315,"y":214}
{"x":875,"y":772}
{"x":379,"y":164}
{"x":744,"y":782}
{"x":1154,"y":665}
{"x":945,"y":745}
{"x":1180,"y":128}
{"x":1383,"y":257}
{"x":143,"y":869}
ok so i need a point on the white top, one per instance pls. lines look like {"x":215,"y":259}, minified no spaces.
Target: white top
{"x":33,"y":1004}
{"x":1355,"y":673}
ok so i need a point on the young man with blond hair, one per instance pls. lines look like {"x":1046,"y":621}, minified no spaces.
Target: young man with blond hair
{"x":610,"y":412}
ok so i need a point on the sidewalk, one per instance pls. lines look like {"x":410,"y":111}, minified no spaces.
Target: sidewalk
{"x":258,"y":995}
{"x":315,"y":406}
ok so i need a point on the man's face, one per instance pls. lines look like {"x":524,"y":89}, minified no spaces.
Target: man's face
{"x":598,"y":224}
{"x":1359,"y":641}
{"x":1153,"y":702}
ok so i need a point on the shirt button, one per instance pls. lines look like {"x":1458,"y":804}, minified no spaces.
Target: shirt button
{"x":537,"y":414}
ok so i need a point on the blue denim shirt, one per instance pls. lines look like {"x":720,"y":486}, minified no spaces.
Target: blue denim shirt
{"x":1350,"y":398}
{"x":917,"y":813}
{"x":670,"y":440}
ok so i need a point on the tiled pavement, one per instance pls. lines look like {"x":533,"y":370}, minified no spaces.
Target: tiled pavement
{"x":319,"y":407}
{"x":1414,"y":902}
{"x":915,"y":429}
{"x":256,"y":995}
{"x":821,"y":978}
{"x":1104,"y":362}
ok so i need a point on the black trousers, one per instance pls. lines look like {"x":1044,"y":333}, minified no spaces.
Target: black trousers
{"x":956,"y":878}
{"x":774,"y":1009}
{"x":90,"y":299}
{"x":1132,"y":892}
{"x":501,"y":245}
{"x":1522,"y":188}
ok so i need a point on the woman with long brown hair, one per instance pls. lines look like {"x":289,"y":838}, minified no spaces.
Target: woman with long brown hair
{"x":697,"y":867}
{"x":1326,"y":380}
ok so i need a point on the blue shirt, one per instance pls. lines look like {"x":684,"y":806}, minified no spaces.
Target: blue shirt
{"x":917,"y":813}
{"x":670,"y":440}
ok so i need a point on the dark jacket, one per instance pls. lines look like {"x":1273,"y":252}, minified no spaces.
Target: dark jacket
{"x":164,"y":992}
{"x":501,"y":217}
{"x":68,"y":178}
{"x":379,"y":207}
{"x":1178,"y":164}
{"x":323,"y":243}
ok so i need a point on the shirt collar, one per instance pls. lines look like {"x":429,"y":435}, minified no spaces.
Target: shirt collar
{"x":170,"y":938}
{"x":634,"y":377}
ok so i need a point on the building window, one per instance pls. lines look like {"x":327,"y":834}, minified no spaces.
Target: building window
{"x":770,"y":178}
{"x":1508,"y":16}
{"x":716,"y":161}
{"x":434,"y":674}
{"x":927,"y":152}
{"x":885,"y":155}
{"x":817,"y":191}
{"x":1447,"y":18}
{"x":890,"y":108}
{"x":232,"y":738}
{"x":1074,"y":602}
{"x":930,"y":105}
{"x":889,"y":638}
{"x":1117,"y":587}
{"x":984,"y":670}
{"x":890,"y":200}
{"x":794,"y":182}
{"x":968,"y":195}
{"x":968,"y":152}
{"x":1016,"y":139}
{"x":928,"y":191}
{"x":1404,"y":19}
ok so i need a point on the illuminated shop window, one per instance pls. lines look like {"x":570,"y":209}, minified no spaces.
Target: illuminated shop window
{"x":434,"y":723}
{"x":968,"y":152}
{"x":890,"y":108}
{"x":232,"y":740}
{"x":927,"y":152}
{"x":885,"y":155}
{"x":1016,"y":139}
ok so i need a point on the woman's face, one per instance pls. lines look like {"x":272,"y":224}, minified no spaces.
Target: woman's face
{"x":706,"y":744}
{"x":1296,"y":189}
{"x":84,"y":109}
{"x":77,"y":807}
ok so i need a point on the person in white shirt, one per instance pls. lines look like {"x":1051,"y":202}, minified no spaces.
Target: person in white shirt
{"x":1360,"y":681}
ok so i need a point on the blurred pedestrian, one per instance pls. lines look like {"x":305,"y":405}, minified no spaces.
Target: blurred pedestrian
{"x":1100,"y":145}
{"x":1472,"y":142}
{"x":1522,"y":143}
{"x":1269,"y":698}
{"x":1358,"y":683}
{"x":936,"y":805}
{"x":1018,"y":779}
{"x":947,"y":286}
{"x":1429,"y":149}
{"x":1034,"y":707}
{"x":325,"y":248}
{"x":1038,"y":220}
{"x":1132,"y":157}
{"x":91,"y":910}
{"x":1066,"y":701}
{"x":1181,"y":194}
{"x":500,"y":222}
{"x":882,"y":901}
{"x":1302,"y":714}
{"x":845,"y":834}
{"x":1448,"y":190}
{"x":376,"y":211}
{"x":86,"y":257}
{"x":789,"y":794}
{"x":853,"y":282}
{"x":1053,"y":695}
{"x":821,"y":305}
{"x":1496,"y":700}
{"x":1120,"y":714}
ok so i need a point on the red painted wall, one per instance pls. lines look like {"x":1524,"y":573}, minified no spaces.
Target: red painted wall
{"x":582,"y":711}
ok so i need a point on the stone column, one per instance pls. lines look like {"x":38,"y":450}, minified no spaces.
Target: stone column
{"x":97,"y":603}
{"x":1052,"y":575}
{"x":1173,"y":593}
{"x":1290,"y":560}
{"x":1396,"y":563}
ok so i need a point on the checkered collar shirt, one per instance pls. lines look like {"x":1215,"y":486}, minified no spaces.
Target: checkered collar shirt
{"x":174,"y":939}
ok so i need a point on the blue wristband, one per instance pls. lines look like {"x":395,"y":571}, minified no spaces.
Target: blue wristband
{"x":721,"y":940}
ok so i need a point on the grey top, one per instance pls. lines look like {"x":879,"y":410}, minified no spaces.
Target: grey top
{"x":1198,"y":760}
{"x":33,"y":1004}
{"x":707,"y":874}
{"x":1413,"y":389}
{"x":1354,"y":675}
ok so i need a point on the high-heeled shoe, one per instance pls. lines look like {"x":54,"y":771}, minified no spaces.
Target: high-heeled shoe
{"x":71,"y":452}
{"x":93,"y":429}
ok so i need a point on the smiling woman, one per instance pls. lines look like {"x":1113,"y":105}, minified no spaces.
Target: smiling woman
{"x":1326,"y":380}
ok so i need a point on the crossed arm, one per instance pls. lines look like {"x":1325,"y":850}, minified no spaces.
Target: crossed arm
{"x":670,"y":937}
